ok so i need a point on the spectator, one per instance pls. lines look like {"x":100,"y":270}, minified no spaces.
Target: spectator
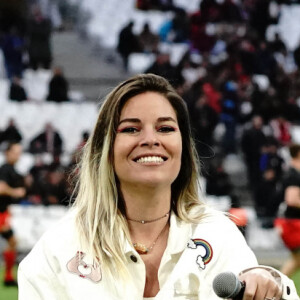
{"x":270,"y":158}
{"x":199,"y":38}
{"x":54,"y":190}
{"x":281,"y":130}
{"x":265,"y":194}
{"x":264,"y":61}
{"x":16,"y":90}
{"x":48,"y":184}
{"x":12,"y":44}
{"x":180,"y":27}
{"x":11,"y":133}
{"x":47,"y":141}
{"x":37,"y":175}
{"x":176,"y":29}
{"x":230,"y":12}
{"x":208,"y":13}
{"x":148,"y":40}
{"x":162,"y":66}
{"x":246,"y":52}
{"x":204,"y":120}
{"x":128,"y":43}
{"x":11,"y":190}
{"x":58,"y":86}
{"x":229,"y":116}
{"x":217,"y":180}
{"x":260,"y":17}
{"x":213,"y":96}
{"x":39,"y":35}
{"x":252,"y":142}
{"x":165,"y":31}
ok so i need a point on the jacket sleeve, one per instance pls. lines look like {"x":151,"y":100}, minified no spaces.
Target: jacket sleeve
{"x":230,"y":254}
{"x":39,"y":276}
{"x":26,"y":290}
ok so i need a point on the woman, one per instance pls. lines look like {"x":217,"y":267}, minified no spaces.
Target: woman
{"x":137,"y":229}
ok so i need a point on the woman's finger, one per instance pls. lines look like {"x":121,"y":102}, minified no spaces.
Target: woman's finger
{"x":260,"y":285}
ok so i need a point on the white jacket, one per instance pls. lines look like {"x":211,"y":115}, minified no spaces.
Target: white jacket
{"x":57,"y":269}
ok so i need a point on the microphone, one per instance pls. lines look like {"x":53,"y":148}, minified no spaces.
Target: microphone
{"x":226,"y":285}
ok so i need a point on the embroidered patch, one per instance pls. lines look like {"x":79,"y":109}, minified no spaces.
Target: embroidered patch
{"x":90,"y":271}
{"x":205,"y":249}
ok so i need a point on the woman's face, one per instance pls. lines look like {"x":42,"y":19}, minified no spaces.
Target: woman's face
{"x":148,"y":145}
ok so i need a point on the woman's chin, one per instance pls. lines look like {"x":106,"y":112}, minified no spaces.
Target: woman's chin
{"x":153,"y":183}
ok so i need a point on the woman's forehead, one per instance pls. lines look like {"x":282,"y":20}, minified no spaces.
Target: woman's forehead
{"x":148,"y":103}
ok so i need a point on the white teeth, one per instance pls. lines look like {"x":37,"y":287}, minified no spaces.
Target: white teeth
{"x":150,"y":159}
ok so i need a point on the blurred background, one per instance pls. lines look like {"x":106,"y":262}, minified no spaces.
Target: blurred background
{"x":235,"y":63}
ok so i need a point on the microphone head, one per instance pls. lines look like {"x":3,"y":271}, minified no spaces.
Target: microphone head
{"x":226,"y":285}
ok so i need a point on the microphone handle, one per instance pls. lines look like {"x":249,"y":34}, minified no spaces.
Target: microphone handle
{"x":240,"y":295}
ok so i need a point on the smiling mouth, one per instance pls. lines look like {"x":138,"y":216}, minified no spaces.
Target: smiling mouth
{"x":150,"y":159}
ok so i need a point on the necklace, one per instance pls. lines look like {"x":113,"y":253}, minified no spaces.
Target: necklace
{"x":143,"y":249}
{"x":150,"y":221}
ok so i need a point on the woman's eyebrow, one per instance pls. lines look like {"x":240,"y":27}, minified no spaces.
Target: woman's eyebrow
{"x":164,"y":119}
{"x":136,"y":120}
{"x":131,"y":120}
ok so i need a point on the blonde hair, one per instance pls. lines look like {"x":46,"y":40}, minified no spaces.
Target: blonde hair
{"x":100,"y":214}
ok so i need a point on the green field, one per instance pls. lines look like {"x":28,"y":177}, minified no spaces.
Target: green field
{"x":296,"y":279}
{"x":7,"y":293}
{"x":11,"y":293}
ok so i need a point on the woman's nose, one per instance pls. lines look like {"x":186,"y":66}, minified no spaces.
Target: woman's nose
{"x":149,"y":138}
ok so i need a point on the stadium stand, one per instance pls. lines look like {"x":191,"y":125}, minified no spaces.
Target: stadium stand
{"x":102,"y":25}
{"x":71,"y":119}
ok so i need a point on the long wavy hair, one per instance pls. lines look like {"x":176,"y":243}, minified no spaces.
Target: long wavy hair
{"x":100,"y":214}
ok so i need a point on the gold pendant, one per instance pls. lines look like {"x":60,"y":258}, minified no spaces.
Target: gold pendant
{"x":140,"y":248}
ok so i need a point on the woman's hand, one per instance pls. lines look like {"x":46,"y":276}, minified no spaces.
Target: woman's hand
{"x":260,"y":285}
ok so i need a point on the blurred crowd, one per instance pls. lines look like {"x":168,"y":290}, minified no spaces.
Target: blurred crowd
{"x":25,"y":41}
{"x":242,"y":89}
{"x":49,"y":180}
{"x":26,"y":28}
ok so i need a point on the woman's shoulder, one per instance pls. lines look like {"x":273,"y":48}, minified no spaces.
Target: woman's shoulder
{"x":63,"y":228}
{"x":60,"y":235}
{"x":215,"y":221}
{"x":56,"y":245}
{"x":221,"y":233}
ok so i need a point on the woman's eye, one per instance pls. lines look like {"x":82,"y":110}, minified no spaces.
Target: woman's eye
{"x":128,"y":130}
{"x":166,"y":129}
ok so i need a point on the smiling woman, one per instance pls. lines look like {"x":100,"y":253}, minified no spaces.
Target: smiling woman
{"x":138,"y":229}
{"x":147,"y":148}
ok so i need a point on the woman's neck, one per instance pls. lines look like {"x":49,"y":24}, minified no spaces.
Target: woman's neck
{"x":146,"y":204}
